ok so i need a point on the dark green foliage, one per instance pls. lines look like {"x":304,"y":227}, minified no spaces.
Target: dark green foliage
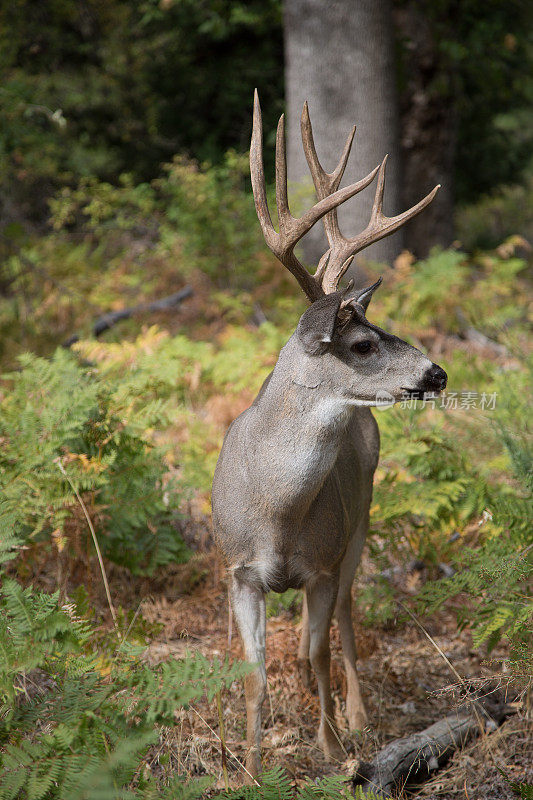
{"x":506,"y":211}
{"x":203,"y":61}
{"x":57,"y":415}
{"x":94,"y":89}
{"x":480,"y":72}
{"x":491,"y":55}
{"x":276,"y":785}
{"x":75,"y":725}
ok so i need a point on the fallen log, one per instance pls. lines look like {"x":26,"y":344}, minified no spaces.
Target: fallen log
{"x":106,"y":321}
{"x":415,"y":757}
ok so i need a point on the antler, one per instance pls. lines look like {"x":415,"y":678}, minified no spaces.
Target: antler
{"x":291,"y":229}
{"x":342,"y":250}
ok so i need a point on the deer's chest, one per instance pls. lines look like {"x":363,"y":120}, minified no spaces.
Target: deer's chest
{"x":316,"y":542}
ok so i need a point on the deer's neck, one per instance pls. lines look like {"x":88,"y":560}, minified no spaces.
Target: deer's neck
{"x":295,"y":434}
{"x":305,"y":411}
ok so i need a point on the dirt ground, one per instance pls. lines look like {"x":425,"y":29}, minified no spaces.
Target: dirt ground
{"x":406,"y":682}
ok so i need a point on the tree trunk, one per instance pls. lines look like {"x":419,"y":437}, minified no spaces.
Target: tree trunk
{"x":428,"y":125}
{"x":339,"y":56}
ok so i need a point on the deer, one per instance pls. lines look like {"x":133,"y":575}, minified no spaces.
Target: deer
{"x":293,"y":483}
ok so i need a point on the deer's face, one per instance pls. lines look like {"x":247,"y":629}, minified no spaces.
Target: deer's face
{"x":359,"y":362}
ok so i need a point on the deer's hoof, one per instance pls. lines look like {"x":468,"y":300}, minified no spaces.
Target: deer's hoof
{"x":330,"y":744}
{"x":253,"y":767}
{"x":357,"y":718}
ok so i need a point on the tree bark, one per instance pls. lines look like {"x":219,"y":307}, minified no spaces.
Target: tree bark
{"x":428,"y":125}
{"x":339,"y":55}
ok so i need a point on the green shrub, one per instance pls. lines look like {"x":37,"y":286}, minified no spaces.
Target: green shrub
{"x":216,"y":219}
{"x":493,"y":578}
{"x":67,"y":429}
{"x":186,"y":374}
{"x":202,"y":211}
{"x":115,"y":246}
{"x":75,"y":724}
{"x":506,"y":212}
{"x":450,"y":290}
{"x":452,"y":482}
{"x":276,"y":785}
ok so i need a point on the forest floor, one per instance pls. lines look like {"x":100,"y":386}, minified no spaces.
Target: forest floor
{"x":406,"y":682}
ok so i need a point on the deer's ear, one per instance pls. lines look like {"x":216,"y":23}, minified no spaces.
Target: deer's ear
{"x":363,"y":296}
{"x":316,"y":327}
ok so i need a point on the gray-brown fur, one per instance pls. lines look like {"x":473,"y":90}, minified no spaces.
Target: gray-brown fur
{"x":293,"y":483}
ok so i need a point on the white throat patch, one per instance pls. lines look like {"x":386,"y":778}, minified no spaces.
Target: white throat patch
{"x":337,"y":408}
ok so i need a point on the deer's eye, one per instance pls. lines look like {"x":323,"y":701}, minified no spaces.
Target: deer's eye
{"x":362,"y":347}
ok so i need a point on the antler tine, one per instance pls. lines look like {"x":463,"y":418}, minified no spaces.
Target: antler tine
{"x":377,"y":205}
{"x":276,"y":241}
{"x":257,"y":174}
{"x":325,"y":182}
{"x":291,"y":229}
{"x":378,"y":227}
{"x":282,"y":199}
{"x":383,"y":225}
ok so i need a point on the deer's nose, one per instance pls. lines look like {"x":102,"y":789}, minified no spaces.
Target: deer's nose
{"x":435,"y":378}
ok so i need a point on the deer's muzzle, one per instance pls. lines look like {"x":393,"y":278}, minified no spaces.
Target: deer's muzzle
{"x":435,"y":379}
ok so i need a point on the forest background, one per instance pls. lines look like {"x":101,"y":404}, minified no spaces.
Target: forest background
{"x":123,"y":138}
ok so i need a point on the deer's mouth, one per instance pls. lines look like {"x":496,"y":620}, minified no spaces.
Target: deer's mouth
{"x":419,"y":394}
{"x":431,"y":385}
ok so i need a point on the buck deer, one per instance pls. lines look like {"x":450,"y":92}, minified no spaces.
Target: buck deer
{"x":293,"y":482}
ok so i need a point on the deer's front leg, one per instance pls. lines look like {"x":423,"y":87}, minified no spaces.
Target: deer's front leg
{"x":355,"y":709}
{"x":304,"y":665}
{"x":321,"y":596}
{"x":248,"y":604}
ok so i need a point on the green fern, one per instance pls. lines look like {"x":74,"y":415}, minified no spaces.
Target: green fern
{"x":496,"y":577}
{"x":276,"y":785}
{"x":68,"y":731}
{"x":97,"y":430}
{"x":330,"y":788}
